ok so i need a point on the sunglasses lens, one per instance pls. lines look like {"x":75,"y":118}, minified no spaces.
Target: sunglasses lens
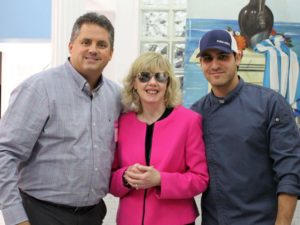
{"x":161,"y":77}
{"x":144,"y":77}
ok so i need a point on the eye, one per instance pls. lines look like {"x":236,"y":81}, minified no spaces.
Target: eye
{"x":85,"y":42}
{"x":102,"y":44}
{"x":207,"y":58}
{"x":223,"y":57}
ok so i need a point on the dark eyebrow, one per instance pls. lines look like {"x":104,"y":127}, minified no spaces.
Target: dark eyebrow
{"x":85,"y":39}
{"x":223,"y":53}
{"x":205,"y":54}
{"x":219,"y":53}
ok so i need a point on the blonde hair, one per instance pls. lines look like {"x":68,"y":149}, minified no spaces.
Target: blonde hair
{"x":150,"y":62}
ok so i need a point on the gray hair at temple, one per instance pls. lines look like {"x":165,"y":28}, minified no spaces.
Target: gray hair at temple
{"x":93,"y":18}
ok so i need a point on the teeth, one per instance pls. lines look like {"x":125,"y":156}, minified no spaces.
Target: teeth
{"x":152,"y":92}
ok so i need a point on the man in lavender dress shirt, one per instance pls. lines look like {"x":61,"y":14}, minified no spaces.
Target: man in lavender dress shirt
{"x":57,"y":135}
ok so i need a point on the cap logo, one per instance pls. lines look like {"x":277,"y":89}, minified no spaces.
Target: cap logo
{"x":223,"y":42}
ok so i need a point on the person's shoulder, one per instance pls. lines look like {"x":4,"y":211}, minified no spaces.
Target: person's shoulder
{"x":201,"y":100}
{"x":259,"y":90}
{"x":184,"y":110}
{"x":112,"y":85}
{"x":38,"y":79}
{"x":127,"y":116}
{"x":199,"y":105}
{"x":187,"y":113}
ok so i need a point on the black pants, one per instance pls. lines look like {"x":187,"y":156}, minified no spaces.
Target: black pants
{"x":45,"y":213}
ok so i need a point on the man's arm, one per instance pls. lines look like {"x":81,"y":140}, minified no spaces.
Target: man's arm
{"x":286,"y":208}
{"x":20,"y":128}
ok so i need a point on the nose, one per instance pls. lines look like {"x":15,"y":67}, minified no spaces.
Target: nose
{"x":152,"y":80}
{"x":214,"y":63}
{"x":92,"y":48}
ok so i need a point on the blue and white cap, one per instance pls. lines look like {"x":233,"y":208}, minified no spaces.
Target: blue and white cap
{"x":217,"y":39}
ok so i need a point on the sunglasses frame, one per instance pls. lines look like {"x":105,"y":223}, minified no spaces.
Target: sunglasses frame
{"x":145,"y":77}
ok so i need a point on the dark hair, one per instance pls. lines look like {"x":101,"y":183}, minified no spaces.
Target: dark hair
{"x":93,"y":18}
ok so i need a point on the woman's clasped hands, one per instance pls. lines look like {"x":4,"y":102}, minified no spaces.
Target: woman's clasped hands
{"x":142,"y":177}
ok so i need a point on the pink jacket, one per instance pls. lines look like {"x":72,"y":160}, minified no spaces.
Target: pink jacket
{"x":178,"y":152}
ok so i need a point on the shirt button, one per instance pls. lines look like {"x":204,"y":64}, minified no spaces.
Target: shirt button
{"x":94,"y":124}
{"x":95,"y":146}
{"x":96,"y":169}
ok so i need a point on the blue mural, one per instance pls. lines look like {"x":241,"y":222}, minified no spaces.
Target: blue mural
{"x":195,"y":85}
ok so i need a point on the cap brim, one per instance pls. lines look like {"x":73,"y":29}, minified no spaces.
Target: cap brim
{"x":220,"y":48}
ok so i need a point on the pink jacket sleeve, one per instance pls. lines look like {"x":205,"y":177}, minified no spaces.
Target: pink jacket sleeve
{"x":195,"y":180}
{"x":116,"y":184}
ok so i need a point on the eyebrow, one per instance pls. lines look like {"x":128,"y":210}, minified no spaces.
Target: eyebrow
{"x":219,"y":53}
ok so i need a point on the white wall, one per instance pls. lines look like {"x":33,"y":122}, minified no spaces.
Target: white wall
{"x":20,"y":60}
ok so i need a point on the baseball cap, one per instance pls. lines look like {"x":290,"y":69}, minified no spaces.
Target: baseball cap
{"x":217,"y":39}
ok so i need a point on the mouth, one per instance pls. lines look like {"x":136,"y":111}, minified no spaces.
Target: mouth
{"x":152,"y":92}
{"x":216,"y":74}
{"x":95,"y":59}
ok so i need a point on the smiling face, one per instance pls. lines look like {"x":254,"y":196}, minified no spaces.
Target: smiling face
{"x":220,"y":69}
{"x":90,"y":51}
{"x":151,"y":92}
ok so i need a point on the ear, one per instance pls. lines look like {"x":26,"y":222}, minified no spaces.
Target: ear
{"x":111,"y":54}
{"x":200,"y":62}
{"x":238,"y":58}
{"x":70,"y":46}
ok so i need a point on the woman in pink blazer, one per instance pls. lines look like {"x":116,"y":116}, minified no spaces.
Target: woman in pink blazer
{"x":160,"y":162}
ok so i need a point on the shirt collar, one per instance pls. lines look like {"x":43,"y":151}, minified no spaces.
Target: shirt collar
{"x":80,"y":81}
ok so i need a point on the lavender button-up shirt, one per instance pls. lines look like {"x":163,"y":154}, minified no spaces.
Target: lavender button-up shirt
{"x":57,"y":141}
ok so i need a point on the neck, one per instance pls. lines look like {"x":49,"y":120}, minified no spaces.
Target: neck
{"x":150,"y":114}
{"x":93,"y":80}
{"x":223,"y":91}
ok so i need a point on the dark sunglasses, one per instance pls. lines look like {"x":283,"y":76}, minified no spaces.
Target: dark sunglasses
{"x":146,"y":77}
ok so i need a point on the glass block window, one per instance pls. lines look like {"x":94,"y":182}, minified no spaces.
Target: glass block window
{"x":155,"y":24}
{"x":155,"y":2}
{"x":155,"y":47}
{"x":162,"y":29}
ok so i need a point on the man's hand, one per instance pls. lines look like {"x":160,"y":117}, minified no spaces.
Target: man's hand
{"x":24,"y":223}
